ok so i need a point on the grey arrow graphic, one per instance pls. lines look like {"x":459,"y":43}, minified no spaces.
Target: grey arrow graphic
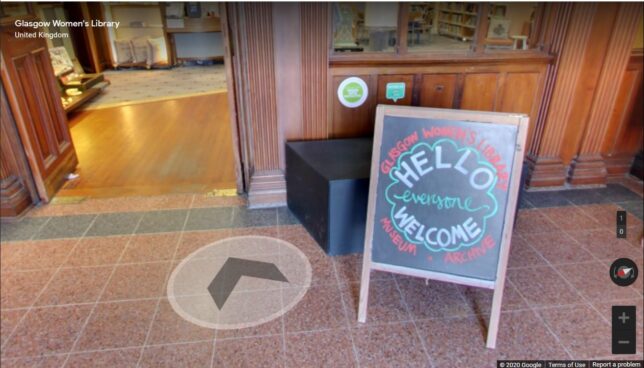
{"x":233,"y":269}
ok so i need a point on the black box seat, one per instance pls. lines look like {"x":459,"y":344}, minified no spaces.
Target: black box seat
{"x":327,"y":185}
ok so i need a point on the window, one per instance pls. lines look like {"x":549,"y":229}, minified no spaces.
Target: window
{"x":370,"y":27}
{"x":510,"y":25}
{"x":431,"y":27}
{"x":441,"y":26}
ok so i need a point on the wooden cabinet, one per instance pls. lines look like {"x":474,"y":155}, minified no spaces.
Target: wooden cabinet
{"x":354,"y":122}
{"x":438,"y":90}
{"x":511,"y":86}
{"x":479,"y":91}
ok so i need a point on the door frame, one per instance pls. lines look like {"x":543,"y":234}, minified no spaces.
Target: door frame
{"x":231,"y":64}
{"x":240,"y":167}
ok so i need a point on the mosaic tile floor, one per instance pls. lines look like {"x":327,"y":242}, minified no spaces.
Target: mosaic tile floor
{"x":137,"y":86}
{"x":83,"y":285}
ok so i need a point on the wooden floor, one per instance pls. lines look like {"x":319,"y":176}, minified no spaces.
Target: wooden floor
{"x":175,"y":146}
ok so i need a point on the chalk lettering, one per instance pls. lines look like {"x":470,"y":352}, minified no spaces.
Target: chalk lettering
{"x":440,"y":202}
{"x":480,"y":178}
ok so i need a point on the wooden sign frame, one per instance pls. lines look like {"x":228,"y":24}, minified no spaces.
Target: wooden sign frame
{"x":518,"y":120}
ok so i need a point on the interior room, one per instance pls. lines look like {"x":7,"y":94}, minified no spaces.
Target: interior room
{"x":314,"y":184}
{"x":148,"y":78}
{"x":439,"y":26}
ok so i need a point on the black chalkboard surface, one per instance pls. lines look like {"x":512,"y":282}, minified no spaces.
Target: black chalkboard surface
{"x":442,"y":197}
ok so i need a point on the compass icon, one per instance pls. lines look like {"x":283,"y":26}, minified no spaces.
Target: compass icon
{"x":623,"y":272}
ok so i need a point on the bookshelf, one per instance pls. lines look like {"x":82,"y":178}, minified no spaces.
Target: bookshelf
{"x":421,"y":21}
{"x":457,"y":20}
{"x":193,"y":38}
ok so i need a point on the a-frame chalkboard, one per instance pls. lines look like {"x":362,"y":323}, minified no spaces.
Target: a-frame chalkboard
{"x":442,"y":198}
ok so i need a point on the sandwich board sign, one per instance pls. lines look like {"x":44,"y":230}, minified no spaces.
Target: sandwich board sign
{"x":442,"y":197}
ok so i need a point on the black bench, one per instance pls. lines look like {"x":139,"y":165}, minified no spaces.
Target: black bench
{"x":327,"y":190}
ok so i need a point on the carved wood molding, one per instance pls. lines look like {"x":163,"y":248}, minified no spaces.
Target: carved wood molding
{"x":258,"y":104}
{"x":568,"y":37}
{"x":257,"y":61}
{"x":618,"y":165}
{"x":315,"y":64}
{"x":589,"y":166}
{"x":17,"y":191}
{"x":588,"y":169}
{"x":568,"y":73}
{"x":554,"y":34}
{"x":267,"y":189}
{"x":287,"y":33}
{"x":617,"y":58}
{"x":545,"y":172}
{"x":14,"y":198}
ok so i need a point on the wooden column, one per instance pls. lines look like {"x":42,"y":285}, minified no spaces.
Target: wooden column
{"x":288,"y":70}
{"x":17,"y":191}
{"x":252,"y":25}
{"x":281,"y":62}
{"x":623,"y":139}
{"x":315,"y":65}
{"x":568,"y":32}
{"x":589,"y":167}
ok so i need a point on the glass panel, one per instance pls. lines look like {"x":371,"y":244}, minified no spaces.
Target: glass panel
{"x":510,"y":26}
{"x":365,"y":27}
{"x":441,"y":26}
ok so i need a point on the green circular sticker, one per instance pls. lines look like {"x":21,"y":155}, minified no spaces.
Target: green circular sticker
{"x":353,"y":92}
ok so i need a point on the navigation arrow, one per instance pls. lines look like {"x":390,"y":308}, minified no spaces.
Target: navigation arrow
{"x":233,"y":269}
{"x":623,"y":272}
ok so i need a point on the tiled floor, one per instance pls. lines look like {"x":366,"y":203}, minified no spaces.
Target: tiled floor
{"x":83,"y":285}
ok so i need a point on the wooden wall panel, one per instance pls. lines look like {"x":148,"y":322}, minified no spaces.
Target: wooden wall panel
{"x":612,"y":72}
{"x":438,"y":90}
{"x":479,"y":91}
{"x":17,"y":191}
{"x":569,"y":35}
{"x":590,"y":69}
{"x":623,"y":138}
{"x":315,"y":66}
{"x":626,"y":104}
{"x":553,"y":38}
{"x":588,"y":166}
{"x":382,"y":89}
{"x":259,"y":75}
{"x":474,"y":87}
{"x":586,"y":93}
{"x":520,"y":94}
{"x":254,"y":58}
{"x":354,"y":122}
{"x":288,"y":66}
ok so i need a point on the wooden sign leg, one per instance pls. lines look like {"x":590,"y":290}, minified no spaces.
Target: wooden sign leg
{"x":495,"y":315}
{"x":364,"y":288}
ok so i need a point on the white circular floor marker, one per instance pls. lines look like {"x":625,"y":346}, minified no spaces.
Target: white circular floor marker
{"x":239,"y":282}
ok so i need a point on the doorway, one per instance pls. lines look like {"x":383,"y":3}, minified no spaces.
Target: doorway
{"x":161,"y":123}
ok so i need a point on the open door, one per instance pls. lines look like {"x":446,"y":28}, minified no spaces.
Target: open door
{"x":228,"y":23}
{"x":32,"y":91}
